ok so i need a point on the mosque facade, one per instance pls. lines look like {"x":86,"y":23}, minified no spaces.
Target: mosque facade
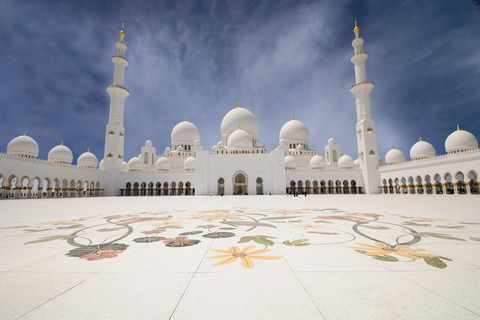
{"x":240,"y":164}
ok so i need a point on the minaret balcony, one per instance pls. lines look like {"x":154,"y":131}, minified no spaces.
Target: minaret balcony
{"x":117,"y":56}
{"x":360,"y":83}
{"x":117,"y":86}
{"x":357,"y":38}
{"x":358,"y":53}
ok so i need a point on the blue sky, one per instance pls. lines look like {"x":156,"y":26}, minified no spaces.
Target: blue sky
{"x":197,"y":58}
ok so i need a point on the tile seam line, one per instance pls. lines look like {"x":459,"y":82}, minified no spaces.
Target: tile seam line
{"x":296,"y":276}
{"x":56,"y":296}
{"x":92,"y":275}
{"x":191,"y":279}
{"x":438,"y":294}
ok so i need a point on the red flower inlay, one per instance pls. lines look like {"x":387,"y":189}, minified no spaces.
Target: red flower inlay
{"x":176,"y":240}
{"x":154,"y":231}
{"x":101,"y":255}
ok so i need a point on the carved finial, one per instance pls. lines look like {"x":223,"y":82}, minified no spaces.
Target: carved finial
{"x":61,"y":143}
{"x":356,"y":28}
{"x":239,"y":127}
{"x":122,"y":34}
{"x":239,"y":103}
{"x":420,"y":138}
{"x":458,"y":127}
{"x":293,"y":115}
{"x":135,"y":155}
{"x":186,"y":118}
{"x":25,"y":133}
{"x":393,"y":147}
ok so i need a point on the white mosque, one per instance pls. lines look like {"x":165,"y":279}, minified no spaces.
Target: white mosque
{"x":239,"y":164}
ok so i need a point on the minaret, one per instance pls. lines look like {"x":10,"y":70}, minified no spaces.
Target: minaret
{"x":366,"y":132}
{"x":115,"y":133}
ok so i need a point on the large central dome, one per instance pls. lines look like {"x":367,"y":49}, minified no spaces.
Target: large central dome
{"x":239,"y":116}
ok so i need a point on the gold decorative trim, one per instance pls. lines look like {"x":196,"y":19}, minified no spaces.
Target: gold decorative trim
{"x":109,"y":155}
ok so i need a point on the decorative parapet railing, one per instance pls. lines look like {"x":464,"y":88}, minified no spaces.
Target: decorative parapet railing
{"x":359,"y":52}
{"x":117,"y":86}
{"x":324,"y":170}
{"x":363,"y":82}
{"x":448,"y":156}
{"x":117,"y":56}
{"x":20,"y":158}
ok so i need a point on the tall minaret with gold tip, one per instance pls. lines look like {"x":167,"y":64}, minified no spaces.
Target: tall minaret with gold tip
{"x":366,"y":131}
{"x":115,"y":133}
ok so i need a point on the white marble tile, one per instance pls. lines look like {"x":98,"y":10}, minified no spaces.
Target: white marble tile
{"x":377,"y":295}
{"x":117,"y":296}
{"x":13,"y":258}
{"x":22,"y":292}
{"x":459,"y":286}
{"x":246,"y":296}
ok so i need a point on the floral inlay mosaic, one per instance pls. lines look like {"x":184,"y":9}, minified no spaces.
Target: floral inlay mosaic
{"x":385,"y":238}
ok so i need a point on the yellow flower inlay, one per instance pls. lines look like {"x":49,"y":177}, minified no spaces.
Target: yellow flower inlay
{"x":401,"y":250}
{"x":309,"y":226}
{"x":245,"y":255}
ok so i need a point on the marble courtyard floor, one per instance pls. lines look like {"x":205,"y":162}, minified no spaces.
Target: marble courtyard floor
{"x":253,"y":257}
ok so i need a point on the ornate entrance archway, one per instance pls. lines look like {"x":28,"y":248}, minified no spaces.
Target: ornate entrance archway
{"x":240,"y":184}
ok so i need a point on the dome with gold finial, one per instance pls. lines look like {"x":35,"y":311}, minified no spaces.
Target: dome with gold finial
{"x":60,"y":154}
{"x":356,"y":28}
{"x":460,"y":140}
{"x":23,"y":146}
{"x":234,"y":117}
{"x":87,"y":160}
{"x":422,"y":150}
{"x":184,"y":133}
{"x":394,"y":156}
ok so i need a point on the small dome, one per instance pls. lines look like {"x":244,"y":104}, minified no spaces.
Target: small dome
{"x":196,"y":143}
{"x":100,"y":165}
{"x":180,"y":148}
{"x":331,"y":141}
{"x":221,"y":144}
{"x":60,"y":154}
{"x":345,"y":161}
{"x":290,"y":162}
{"x":124,"y":166}
{"x":300,"y":147}
{"x":148,"y":143}
{"x":87,"y":160}
{"x":312,"y":148}
{"x":459,"y":141}
{"x":294,"y":130}
{"x":283,"y":142}
{"x":185,"y":133}
{"x":394,"y":156}
{"x":163,"y":164}
{"x":317,"y":162}
{"x":135,"y":164}
{"x":167,"y":150}
{"x":240,"y":139}
{"x":380,"y":161}
{"x":23,"y":146}
{"x":422,"y":150}
{"x":356,"y":162}
{"x":239,"y":116}
{"x":189,"y":163}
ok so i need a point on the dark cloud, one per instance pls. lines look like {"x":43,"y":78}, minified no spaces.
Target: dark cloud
{"x":197,"y":58}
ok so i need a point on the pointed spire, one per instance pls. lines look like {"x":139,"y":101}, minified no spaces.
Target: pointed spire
{"x":420,"y":138}
{"x":393,"y":147}
{"x":356,"y":30}
{"x":122,"y":34}
{"x":25,"y":133}
{"x":458,"y":127}
{"x":135,"y":155}
{"x":239,"y":103}
{"x":186,"y":118}
{"x":239,"y":127}
{"x":61,"y":143}
{"x":293,"y":115}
